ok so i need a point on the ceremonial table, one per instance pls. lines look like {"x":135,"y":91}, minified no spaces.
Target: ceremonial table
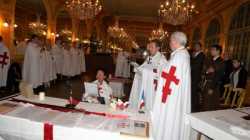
{"x":32,"y":119}
{"x":222,"y":124}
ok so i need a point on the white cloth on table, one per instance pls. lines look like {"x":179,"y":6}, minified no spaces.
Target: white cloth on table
{"x":4,"y":67}
{"x":217,"y":124}
{"x":169,"y":116}
{"x":73,"y":126}
{"x":31,"y":65}
{"x":122,"y":65}
{"x":156,"y":62}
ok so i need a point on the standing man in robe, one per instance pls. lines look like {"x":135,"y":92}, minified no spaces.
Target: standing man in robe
{"x":4,"y":63}
{"x":197,"y":60}
{"x":146,"y":78}
{"x":31,"y":64}
{"x":82,"y":60}
{"x":57,"y":52}
{"x":122,"y":65}
{"x":67,"y":59}
{"x":173,"y":97}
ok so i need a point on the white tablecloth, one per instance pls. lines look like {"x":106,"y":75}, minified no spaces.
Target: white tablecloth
{"x":118,"y":88}
{"x":217,"y":124}
{"x":26,"y":122}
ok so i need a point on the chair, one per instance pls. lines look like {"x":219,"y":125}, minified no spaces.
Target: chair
{"x":238,"y":98}
{"x":227,"y":93}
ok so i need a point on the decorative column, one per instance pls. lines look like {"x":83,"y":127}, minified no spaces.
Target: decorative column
{"x":52,"y":8}
{"x":75,"y":29}
{"x":89,"y":27}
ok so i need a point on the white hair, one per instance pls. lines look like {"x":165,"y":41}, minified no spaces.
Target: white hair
{"x":180,"y":37}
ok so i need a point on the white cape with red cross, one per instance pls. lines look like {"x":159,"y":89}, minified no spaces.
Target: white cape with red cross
{"x":4,"y":64}
{"x":172,"y":101}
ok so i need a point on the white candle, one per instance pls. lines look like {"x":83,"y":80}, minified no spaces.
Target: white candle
{"x":41,"y":96}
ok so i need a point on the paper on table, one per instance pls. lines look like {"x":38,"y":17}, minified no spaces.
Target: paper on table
{"x":92,"y":121}
{"x":47,"y":116}
{"x":27,"y":112}
{"x":91,"y":89}
{"x":68,"y":119}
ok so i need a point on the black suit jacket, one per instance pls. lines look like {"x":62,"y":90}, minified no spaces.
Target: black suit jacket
{"x":196,"y":68}
{"x":242,"y":78}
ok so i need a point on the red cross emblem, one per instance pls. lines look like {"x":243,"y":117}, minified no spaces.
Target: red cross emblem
{"x":3,"y":59}
{"x":170,"y":77}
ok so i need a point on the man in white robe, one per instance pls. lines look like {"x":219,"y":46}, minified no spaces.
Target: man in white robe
{"x":146,"y":78}
{"x":31,"y":64}
{"x":82,"y":60}
{"x":57,"y":52}
{"x":67,"y":61}
{"x":4,"y":63}
{"x":75,"y":63}
{"x":173,"y":97}
{"x":122,"y":65}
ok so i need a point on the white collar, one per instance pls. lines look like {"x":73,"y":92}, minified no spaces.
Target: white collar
{"x":178,"y":49}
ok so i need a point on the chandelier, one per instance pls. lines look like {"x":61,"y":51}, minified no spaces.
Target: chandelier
{"x":159,"y":33}
{"x":117,"y":32}
{"x":84,"y":9}
{"x":66,"y":32}
{"x":38,"y":27}
{"x":177,"y":12}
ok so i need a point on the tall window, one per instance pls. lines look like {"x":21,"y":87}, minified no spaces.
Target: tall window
{"x":196,"y":36}
{"x":239,"y":34}
{"x":212,"y":34}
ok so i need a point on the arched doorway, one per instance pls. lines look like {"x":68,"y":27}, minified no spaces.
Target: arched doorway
{"x":238,"y":41}
{"x":213,"y":32}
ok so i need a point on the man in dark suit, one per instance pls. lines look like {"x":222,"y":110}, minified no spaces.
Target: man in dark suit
{"x":214,"y":73}
{"x":238,"y":77}
{"x":197,"y":60}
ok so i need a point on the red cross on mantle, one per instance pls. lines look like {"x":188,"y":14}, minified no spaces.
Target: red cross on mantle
{"x":170,"y":77}
{"x":3,"y":59}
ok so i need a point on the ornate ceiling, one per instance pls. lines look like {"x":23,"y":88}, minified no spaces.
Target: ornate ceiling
{"x":139,"y":16}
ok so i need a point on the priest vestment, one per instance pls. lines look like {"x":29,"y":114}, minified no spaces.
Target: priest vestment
{"x":146,"y":81}
{"x":31,"y":65}
{"x":57,"y":52}
{"x":122,"y":65}
{"x":66,"y":62}
{"x":4,"y":64}
{"x":75,"y":63}
{"x":173,"y":97}
{"x":82,"y":60}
